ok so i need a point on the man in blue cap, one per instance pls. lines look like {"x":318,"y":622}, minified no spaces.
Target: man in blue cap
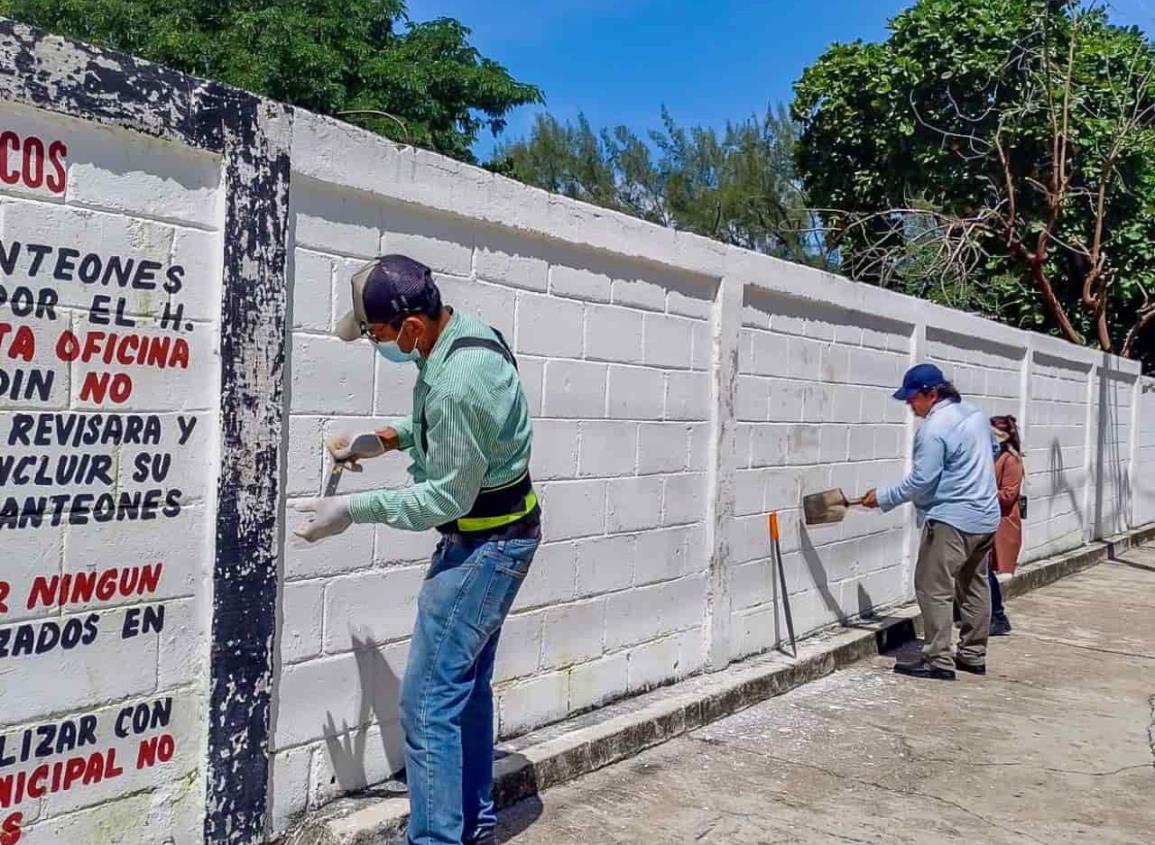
{"x":952,"y":486}
{"x":469,"y":437}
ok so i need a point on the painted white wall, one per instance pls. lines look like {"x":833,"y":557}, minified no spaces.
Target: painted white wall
{"x":140,"y":200}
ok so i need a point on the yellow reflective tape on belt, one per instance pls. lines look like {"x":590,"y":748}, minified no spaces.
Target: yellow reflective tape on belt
{"x":488,"y":523}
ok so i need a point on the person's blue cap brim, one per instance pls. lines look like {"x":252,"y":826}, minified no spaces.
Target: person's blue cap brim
{"x":904,"y":394}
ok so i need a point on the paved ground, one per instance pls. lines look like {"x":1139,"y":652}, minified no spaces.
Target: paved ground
{"x":1056,"y":745}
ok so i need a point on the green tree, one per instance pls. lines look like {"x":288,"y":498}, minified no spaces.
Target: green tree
{"x":997,"y":155}
{"x":329,"y":56}
{"x":737,"y":185}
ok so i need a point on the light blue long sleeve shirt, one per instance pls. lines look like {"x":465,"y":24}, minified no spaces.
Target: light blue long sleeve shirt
{"x":953,"y":478}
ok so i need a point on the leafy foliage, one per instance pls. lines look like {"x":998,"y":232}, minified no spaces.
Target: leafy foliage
{"x":997,"y":155}
{"x":329,"y":56}
{"x":736,"y":185}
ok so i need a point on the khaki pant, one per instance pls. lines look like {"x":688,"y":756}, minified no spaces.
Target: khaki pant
{"x":952,"y":563}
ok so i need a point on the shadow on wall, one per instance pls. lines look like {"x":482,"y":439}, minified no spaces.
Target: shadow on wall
{"x":380,"y":693}
{"x":1060,"y":484}
{"x":1109,"y":458}
{"x":813,"y":562}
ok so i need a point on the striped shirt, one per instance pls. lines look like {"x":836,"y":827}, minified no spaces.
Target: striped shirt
{"x":478,"y":434}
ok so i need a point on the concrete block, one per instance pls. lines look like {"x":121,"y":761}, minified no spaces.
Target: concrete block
{"x":182,"y":658}
{"x":661,"y":555}
{"x":555,"y":450}
{"x":353,"y":758}
{"x":847,"y":405}
{"x":771,"y":354}
{"x":862,"y":439}
{"x":613,"y":334}
{"x":752,"y":584}
{"x":639,"y":294}
{"x":804,"y":444}
{"x":636,"y":393}
{"x":551,"y":577}
{"x":685,"y":305}
{"x":834,"y":442}
{"x":608,"y":448}
{"x":519,"y":651}
{"x":350,"y":690}
{"x":888,"y":442}
{"x":573,"y":633}
{"x":653,"y":664}
{"x":337,"y":222}
{"x":684,"y":499}
{"x":663,"y":447}
{"x":573,"y":509}
{"x":394,"y":546}
{"x":575,"y":389}
{"x":848,"y":334}
{"x":124,"y":172}
{"x":700,"y":436}
{"x":748,"y":491}
{"x":494,"y":304}
{"x":753,"y":398}
{"x":370,"y":609}
{"x":302,"y":625}
{"x":703,"y":346}
{"x":532,"y":703}
{"x":836,"y":364}
{"x":40,"y":692}
{"x":443,"y":243}
{"x":805,"y":358}
{"x":312,"y":291}
{"x":304,"y":456}
{"x":200,"y":254}
{"x":768,"y":445}
{"x":579,"y":283}
{"x":688,"y":396}
{"x":532,"y":373}
{"x":605,"y":564}
{"x":818,"y":402}
{"x":290,"y":793}
{"x":598,"y":682}
{"x":331,"y":377}
{"x":634,"y":504}
{"x":510,"y":259}
{"x":787,"y":400}
{"x":347,"y":552}
{"x":549,"y":326}
{"x":668,"y":341}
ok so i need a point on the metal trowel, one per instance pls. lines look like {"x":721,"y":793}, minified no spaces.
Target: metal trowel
{"x":827,"y":508}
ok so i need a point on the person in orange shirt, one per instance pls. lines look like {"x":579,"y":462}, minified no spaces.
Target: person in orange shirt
{"x":1009,"y":537}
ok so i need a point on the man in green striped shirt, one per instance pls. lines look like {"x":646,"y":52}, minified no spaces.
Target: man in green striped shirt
{"x":469,"y":437}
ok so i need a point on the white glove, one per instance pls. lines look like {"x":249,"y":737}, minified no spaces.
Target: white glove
{"x":330,"y":517}
{"x":350,"y":452}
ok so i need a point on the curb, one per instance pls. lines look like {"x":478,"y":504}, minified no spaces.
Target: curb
{"x":559,"y":753}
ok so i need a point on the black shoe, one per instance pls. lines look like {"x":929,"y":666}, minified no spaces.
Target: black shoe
{"x":1000,"y":626}
{"x":924,"y":670}
{"x":973,"y":668}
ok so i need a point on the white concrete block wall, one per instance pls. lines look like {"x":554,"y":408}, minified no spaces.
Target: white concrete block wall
{"x":615,"y":355}
{"x":814,"y":411}
{"x":124,"y":201}
{"x":1056,"y":454}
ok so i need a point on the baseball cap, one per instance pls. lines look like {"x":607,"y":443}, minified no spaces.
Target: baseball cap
{"x":386,"y":288}
{"x":918,"y":378}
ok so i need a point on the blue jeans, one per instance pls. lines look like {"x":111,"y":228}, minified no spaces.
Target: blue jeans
{"x":446,"y":697}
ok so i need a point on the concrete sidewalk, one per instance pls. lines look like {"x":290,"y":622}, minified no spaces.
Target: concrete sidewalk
{"x":1056,"y":745}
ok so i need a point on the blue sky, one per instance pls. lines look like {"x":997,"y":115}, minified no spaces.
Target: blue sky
{"x":619,"y":61}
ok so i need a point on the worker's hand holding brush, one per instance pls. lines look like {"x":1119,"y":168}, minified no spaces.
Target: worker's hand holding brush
{"x":349,"y":452}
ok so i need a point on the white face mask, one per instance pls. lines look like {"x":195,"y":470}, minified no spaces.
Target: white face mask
{"x":390,"y":351}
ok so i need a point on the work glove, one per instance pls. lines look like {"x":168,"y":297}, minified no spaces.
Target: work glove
{"x":349,"y":453}
{"x":330,"y":516}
